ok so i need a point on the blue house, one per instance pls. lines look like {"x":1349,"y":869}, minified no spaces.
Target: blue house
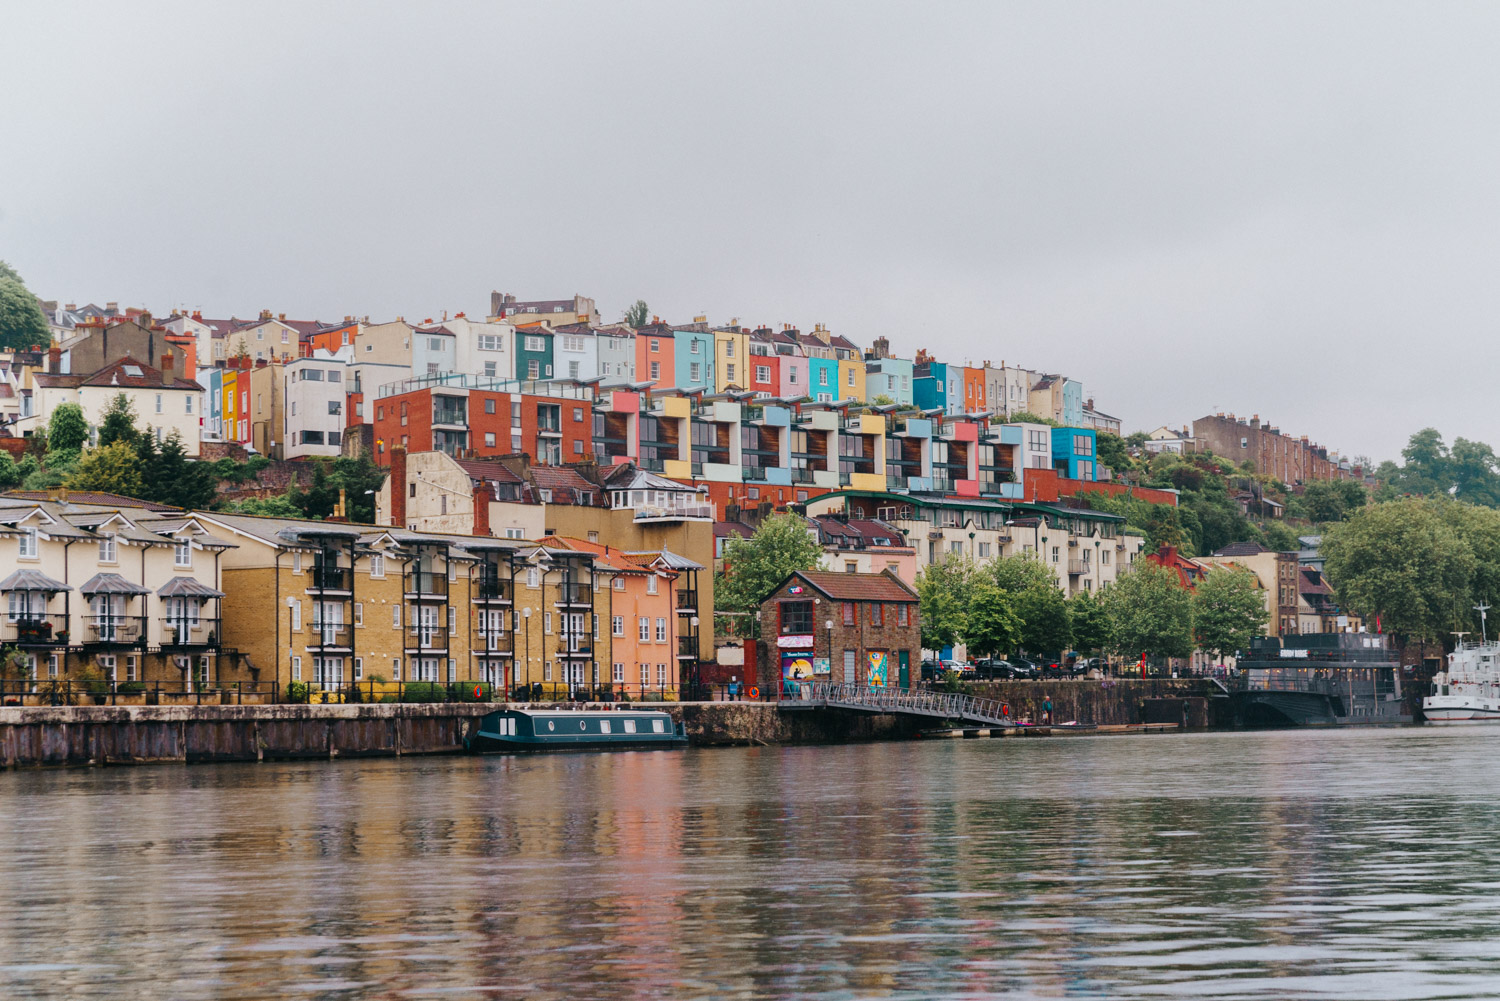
{"x":1073,"y":453}
{"x":823,"y":379}
{"x":930,"y":390}
{"x":694,"y":351}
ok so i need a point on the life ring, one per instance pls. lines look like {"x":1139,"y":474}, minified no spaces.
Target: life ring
{"x":476,"y":693}
{"x":754,"y":692}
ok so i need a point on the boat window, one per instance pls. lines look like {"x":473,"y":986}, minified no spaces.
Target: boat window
{"x":604,"y":726}
{"x":583,"y":724}
{"x":551,"y":725}
{"x":629,"y":725}
{"x":656,"y":726}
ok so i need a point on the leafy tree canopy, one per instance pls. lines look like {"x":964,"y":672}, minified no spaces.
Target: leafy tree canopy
{"x":1151,"y":612}
{"x":945,"y":593}
{"x":118,"y":422}
{"x":67,"y":428}
{"x":637,"y":314}
{"x":110,"y":468}
{"x":1045,"y":626}
{"x":753,"y":567}
{"x":992,"y":626}
{"x":22,"y":322}
{"x":1090,"y":623}
{"x":1228,"y":609}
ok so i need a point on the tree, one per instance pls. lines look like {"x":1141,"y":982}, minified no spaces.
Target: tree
{"x":1027,"y":417}
{"x":1090,"y":622}
{"x":1044,"y":616}
{"x":637,"y":315}
{"x":1333,"y":500}
{"x":1402,"y":563}
{"x":945,"y":594}
{"x":6,"y":271}
{"x":118,"y":422}
{"x":10,"y":472}
{"x":22,"y":322}
{"x":67,"y":428}
{"x":110,"y":469}
{"x":321,"y":496}
{"x":357,"y":476}
{"x":269,"y":507}
{"x":1280,"y":538}
{"x":754,"y":567}
{"x":1151,"y":611}
{"x":1112,"y":452}
{"x":882,"y":400}
{"x":991,"y":626}
{"x":1020,"y":572}
{"x":175,"y":479}
{"x":1228,"y":609}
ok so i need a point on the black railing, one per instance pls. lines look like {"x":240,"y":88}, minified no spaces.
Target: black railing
{"x":687,"y":599}
{"x":329,"y":579}
{"x":120,"y":630}
{"x":100,"y":691}
{"x":574,"y":594}
{"x":329,"y":635}
{"x":492,"y":590}
{"x":183,"y":631}
{"x":489,"y":640}
{"x":39,"y":629}
{"x":431,"y":639}
{"x":427,"y":584}
{"x":87,"y":692}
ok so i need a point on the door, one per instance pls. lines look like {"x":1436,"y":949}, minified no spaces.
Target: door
{"x":427,"y":624}
{"x":905,"y":661}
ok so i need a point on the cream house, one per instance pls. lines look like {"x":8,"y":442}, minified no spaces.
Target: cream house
{"x":161,"y":400}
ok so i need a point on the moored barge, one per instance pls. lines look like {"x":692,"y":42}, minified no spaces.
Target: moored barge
{"x":529,"y":730}
{"x":1319,"y":679}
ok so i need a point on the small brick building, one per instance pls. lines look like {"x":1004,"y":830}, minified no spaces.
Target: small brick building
{"x":855,"y":628}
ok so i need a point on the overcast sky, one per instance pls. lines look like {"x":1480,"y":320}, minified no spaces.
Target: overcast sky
{"x":1288,"y":210}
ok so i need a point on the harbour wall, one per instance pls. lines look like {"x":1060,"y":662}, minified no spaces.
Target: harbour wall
{"x":98,"y":735}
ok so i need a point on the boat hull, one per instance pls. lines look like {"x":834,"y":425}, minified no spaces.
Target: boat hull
{"x":1450,"y":709}
{"x":522,"y":731}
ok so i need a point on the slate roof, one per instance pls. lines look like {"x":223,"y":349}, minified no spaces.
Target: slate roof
{"x":110,"y":583}
{"x":870,"y":587}
{"x":479,"y":469}
{"x":92,"y":497}
{"x":187,"y":587}
{"x":115,"y":374}
{"x":1242,"y":549}
{"x":566,"y":484}
{"x":31,"y":580}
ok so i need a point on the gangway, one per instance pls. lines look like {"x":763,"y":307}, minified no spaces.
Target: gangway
{"x":896,"y":701}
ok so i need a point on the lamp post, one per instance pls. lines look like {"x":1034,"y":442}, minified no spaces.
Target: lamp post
{"x":828,"y":625}
{"x":526,"y":615}
{"x":693,"y":622}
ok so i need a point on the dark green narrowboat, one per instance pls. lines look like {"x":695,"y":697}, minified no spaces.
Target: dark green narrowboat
{"x":573,"y":730}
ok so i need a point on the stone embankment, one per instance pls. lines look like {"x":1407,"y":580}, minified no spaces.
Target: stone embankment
{"x":98,"y":735}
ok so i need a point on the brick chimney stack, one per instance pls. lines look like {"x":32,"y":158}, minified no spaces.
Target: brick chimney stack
{"x":54,"y":360}
{"x":398,"y":487}
{"x":482,"y":510}
{"x":168,"y":369}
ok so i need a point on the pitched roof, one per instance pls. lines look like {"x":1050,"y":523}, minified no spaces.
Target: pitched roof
{"x":92,"y":497}
{"x":31,"y":580}
{"x":187,"y":587}
{"x":725,"y":529}
{"x":1242,"y":549}
{"x":479,"y":469}
{"x":111,"y":583}
{"x":858,"y":586}
{"x":125,"y":372}
{"x":565,"y":483}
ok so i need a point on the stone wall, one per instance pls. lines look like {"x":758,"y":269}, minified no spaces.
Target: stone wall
{"x":1113,"y":702}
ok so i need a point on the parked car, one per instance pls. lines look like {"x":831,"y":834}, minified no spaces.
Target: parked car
{"x":1025,"y":667}
{"x":965,"y":670}
{"x":992,"y":667}
{"x":931,"y":670}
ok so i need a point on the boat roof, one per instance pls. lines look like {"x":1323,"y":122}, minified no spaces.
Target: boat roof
{"x":575,"y":713}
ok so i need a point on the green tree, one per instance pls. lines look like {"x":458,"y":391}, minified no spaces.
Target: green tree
{"x":637,"y":314}
{"x":1020,"y":572}
{"x":1045,"y":627}
{"x":753,"y":568}
{"x":1151,"y":611}
{"x":67,"y":428}
{"x":22,"y":322}
{"x":1090,"y":623}
{"x":1228,"y":609}
{"x":269,"y":507}
{"x":1280,"y":538}
{"x":1401,"y":561}
{"x":117,"y":423}
{"x":1472,"y":469}
{"x":175,"y":479}
{"x":945,"y":594}
{"x":1332,"y":500}
{"x":882,"y":400}
{"x":10,"y":472}
{"x":111,"y":469}
{"x":1112,"y":452}
{"x":1026,"y":417}
{"x":991,"y":626}
{"x":321,"y":496}
{"x":361,"y":480}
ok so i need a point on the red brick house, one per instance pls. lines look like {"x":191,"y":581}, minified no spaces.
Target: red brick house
{"x":854,"y":628}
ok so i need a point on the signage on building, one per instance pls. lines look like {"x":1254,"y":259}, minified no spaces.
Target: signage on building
{"x":796,"y":666}
{"x":794,"y":642}
{"x":821,"y":666}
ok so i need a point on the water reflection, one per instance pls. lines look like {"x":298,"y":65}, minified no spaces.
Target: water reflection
{"x":1271,"y":865}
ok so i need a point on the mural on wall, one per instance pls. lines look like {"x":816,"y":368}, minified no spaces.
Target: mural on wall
{"x":796,"y":665}
{"x":878,"y":663}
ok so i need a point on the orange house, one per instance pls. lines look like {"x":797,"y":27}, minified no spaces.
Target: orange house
{"x":639,"y":622}
{"x":655,"y":356}
{"x":974,"y":401}
{"x":330,"y":340}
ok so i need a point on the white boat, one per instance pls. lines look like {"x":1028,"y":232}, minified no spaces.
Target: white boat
{"x":1469,"y":690}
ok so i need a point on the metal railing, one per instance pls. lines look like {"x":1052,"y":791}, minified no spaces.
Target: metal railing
{"x":494,"y":640}
{"x":426,"y":583}
{"x":429,"y":638}
{"x":184,"y":631}
{"x":913,"y":701}
{"x":127,"y":630}
{"x":492,"y":590}
{"x":35,"y":629}
{"x":574,"y":594}
{"x":329,"y":579}
{"x":673,"y":512}
{"x":102,"y":692}
{"x":687,"y":599}
{"x":329,"y":635}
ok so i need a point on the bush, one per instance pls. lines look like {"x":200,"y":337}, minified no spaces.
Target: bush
{"x":424,"y":691}
{"x":297,"y":691}
{"x":130,"y":687}
{"x":463,"y":691}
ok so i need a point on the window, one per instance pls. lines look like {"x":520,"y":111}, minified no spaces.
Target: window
{"x":851,"y":377}
{"x":158,"y":403}
{"x":617,"y":626}
{"x":661,"y":630}
{"x":547,"y":671}
{"x":489,"y":439}
{"x":644,"y":629}
{"x":490,"y":372}
{"x":762,"y":373}
{"x":335,"y":406}
{"x":296,"y":668}
{"x":656,"y":370}
{"x":1056,"y":554}
{"x":452,"y":621}
{"x":182,"y":552}
{"x":296,"y":616}
{"x":693,"y":346}
{"x":359,"y":667}
{"x":434,"y":344}
{"x":645,"y":675}
{"x":651,"y":584}
{"x":377,"y":565}
{"x":395,"y":668}
{"x":534,"y":343}
{"x":547,"y":622}
{"x":490,"y":342}
{"x":902,"y":615}
{"x":187,"y":403}
{"x":1104,"y":557}
{"x":655,"y":344}
{"x":729,"y":371}
{"x":729,"y":349}
{"x":695,"y":372}
{"x":791,"y":376}
{"x":877,"y":614}
{"x":359,"y":613}
{"x":848,"y":613}
{"x":107,"y":548}
{"x":984,"y":550}
{"x":796,"y":617}
{"x":617,"y":674}
{"x":533,"y":370}
{"x":533,"y":576}
{"x":395,"y":616}
{"x":489,"y":406}
{"x":822,"y":376}
{"x":1081,"y":445}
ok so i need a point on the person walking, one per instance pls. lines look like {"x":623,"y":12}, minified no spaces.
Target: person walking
{"x":1047,"y":709}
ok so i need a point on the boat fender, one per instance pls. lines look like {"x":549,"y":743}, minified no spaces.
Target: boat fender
{"x":754,"y":692}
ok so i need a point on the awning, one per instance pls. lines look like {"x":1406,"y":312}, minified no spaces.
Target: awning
{"x":32,"y":580}
{"x":187,"y":587}
{"x":111,"y":583}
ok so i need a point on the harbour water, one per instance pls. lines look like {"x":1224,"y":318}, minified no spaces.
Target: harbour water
{"x":1290,"y":864}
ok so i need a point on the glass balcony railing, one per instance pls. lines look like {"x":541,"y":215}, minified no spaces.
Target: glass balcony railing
{"x":183,"y":631}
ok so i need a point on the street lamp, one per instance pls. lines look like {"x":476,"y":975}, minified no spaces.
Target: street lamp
{"x":828,"y":624}
{"x":526,"y":614}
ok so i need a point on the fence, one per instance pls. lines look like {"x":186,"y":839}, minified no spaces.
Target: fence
{"x":99,"y":692}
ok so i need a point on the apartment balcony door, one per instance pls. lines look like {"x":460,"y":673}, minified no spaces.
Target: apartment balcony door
{"x":427,"y":626}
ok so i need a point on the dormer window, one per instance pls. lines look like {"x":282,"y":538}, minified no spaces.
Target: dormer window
{"x":182,"y":552}
{"x":26,"y":544}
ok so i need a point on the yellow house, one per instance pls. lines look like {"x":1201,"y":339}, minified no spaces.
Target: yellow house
{"x":851,"y":379}
{"x":731,"y":358}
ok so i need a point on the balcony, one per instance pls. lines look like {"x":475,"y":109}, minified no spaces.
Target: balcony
{"x":330,"y":579}
{"x":1076,"y":567}
{"x":574,"y":594}
{"x":422,"y":584}
{"x":575,"y":646}
{"x":427,"y":639}
{"x":687,"y":600}
{"x":35,"y":629}
{"x":330,"y":636}
{"x":687,"y":647}
{"x":114,"y":630}
{"x":674,"y":512}
{"x":489,"y":642}
{"x":178,"y":631}
{"x":491,"y":589}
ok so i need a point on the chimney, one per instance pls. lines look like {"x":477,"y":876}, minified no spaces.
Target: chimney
{"x":265,"y":314}
{"x":111,"y":307}
{"x":481,"y":511}
{"x":168,"y":366}
{"x":54,"y":360}
{"x":398,"y":487}
{"x":1255,"y":421}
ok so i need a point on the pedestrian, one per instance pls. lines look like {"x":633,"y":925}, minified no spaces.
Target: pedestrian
{"x":1047,"y":710}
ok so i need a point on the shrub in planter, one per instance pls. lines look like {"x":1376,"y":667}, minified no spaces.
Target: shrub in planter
{"x":130,"y":688}
{"x":463,"y":691}
{"x":297,"y":691}
{"x":424,"y":691}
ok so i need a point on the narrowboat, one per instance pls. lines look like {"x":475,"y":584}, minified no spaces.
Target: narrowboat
{"x":515,"y":730}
